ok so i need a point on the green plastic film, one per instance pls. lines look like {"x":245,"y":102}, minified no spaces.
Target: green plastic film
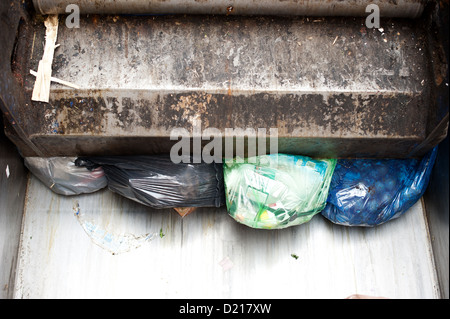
{"x":278,"y":190}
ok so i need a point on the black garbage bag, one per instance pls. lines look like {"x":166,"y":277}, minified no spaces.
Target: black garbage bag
{"x":156,"y":181}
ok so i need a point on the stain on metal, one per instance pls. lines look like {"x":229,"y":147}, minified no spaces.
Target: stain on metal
{"x":142,"y":76}
{"x":14,"y":25}
{"x":113,"y":242}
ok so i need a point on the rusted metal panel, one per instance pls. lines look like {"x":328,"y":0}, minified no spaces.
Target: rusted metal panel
{"x":330,"y":86}
{"x":13,"y":23}
{"x":388,"y":8}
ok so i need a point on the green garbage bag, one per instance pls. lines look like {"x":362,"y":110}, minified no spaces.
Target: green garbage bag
{"x":278,"y":190}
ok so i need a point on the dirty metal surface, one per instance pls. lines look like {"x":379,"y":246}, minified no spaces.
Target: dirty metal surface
{"x":388,"y":8}
{"x":437,"y":195}
{"x":331,"y":86}
{"x":209,"y":255}
{"x":13,"y":21}
{"x":13,"y":183}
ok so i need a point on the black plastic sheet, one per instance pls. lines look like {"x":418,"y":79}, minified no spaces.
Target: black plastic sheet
{"x":156,"y":181}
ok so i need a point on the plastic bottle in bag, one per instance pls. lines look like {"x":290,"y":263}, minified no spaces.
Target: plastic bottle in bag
{"x":370,"y":192}
{"x":278,"y":190}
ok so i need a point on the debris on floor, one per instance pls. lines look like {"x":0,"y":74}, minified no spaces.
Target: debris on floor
{"x":226,"y":263}
{"x":184,"y":211}
{"x":56,"y":80}
{"x":113,"y":242}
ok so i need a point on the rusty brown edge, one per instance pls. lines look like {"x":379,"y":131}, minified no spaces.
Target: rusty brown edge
{"x":13,"y":12}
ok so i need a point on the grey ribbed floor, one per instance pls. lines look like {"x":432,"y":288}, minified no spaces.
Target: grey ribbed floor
{"x":209,"y":255}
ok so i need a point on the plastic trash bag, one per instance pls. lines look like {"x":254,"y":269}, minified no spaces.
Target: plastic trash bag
{"x":277,"y":190}
{"x":63,"y":177}
{"x":157,"y":182}
{"x":370,"y":192}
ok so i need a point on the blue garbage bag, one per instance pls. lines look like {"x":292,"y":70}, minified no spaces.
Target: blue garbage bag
{"x":370,"y":192}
